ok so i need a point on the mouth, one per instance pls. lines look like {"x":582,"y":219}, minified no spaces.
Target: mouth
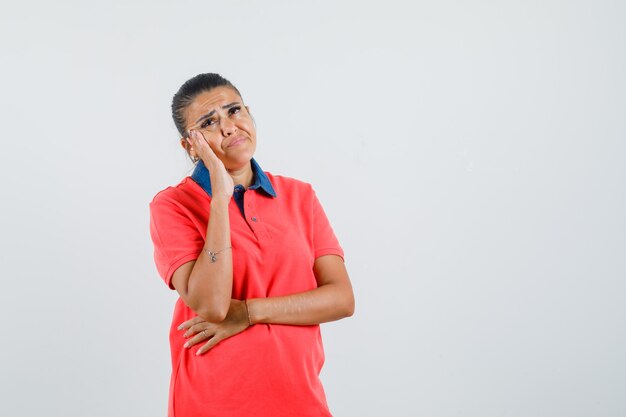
{"x":236,"y":141}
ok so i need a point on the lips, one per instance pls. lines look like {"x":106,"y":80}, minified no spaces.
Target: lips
{"x":236,"y":141}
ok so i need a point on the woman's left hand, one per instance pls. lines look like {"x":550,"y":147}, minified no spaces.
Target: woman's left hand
{"x":199,"y":330}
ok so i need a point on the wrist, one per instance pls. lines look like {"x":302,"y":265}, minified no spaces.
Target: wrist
{"x":254,"y":311}
{"x":220,"y":201}
{"x":245,"y":302}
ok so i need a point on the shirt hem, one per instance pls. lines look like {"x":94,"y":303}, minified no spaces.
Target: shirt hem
{"x":329,"y":251}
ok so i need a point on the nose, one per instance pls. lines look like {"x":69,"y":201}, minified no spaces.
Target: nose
{"x":228,"y":126}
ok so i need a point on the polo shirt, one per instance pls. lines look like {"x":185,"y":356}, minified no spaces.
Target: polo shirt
{"x":268,"y":369}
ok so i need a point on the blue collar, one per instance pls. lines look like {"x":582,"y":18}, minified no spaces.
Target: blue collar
{"x":201,"y":175}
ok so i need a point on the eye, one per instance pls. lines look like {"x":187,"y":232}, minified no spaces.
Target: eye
{"x":234,"y":110}
{"x":207,"y":123}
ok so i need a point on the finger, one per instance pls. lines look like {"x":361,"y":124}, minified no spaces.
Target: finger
{"x":202,"y":145}
{"x":187,"y":324}
{"x":197,"y":328}
{"x":197,"y":339}
{"x":197,"y":137}
{"x":208,"y":345}
{"x":191,"y":138}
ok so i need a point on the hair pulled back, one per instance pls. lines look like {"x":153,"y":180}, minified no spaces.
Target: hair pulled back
{"x":190,"y":90}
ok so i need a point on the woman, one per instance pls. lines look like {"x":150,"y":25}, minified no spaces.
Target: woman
{"x":256,"y":265}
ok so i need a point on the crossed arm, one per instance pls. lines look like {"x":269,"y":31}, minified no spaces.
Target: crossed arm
{"x":333,"y":299}
{"x":206,"y":286}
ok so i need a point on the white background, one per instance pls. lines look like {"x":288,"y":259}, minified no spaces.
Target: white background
{"x":470,"y":156}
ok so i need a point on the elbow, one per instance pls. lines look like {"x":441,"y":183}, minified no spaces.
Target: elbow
{"x":350,"y":311}
{"x":212,"y":306}
{"x":211,"y":312}
{"x":349,"y":306}
{"x":212,"y":315}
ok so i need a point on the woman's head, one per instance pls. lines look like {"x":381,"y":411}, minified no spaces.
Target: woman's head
{"x":212,"y":105}
{"x":189,"y":90}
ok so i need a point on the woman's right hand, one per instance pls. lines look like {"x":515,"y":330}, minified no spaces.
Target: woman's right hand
{"x":222,"y":184}
{"x":199,"y":330}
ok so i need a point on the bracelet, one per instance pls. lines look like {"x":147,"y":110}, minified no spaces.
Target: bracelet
{"x":247,"y":311}
{"x":213,"y":254}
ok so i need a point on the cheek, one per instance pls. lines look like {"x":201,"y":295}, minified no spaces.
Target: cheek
{"x":215,"y":143}
{"x":217,"y":149}
{"x":251,"y":130}
{"x":245,"y":123}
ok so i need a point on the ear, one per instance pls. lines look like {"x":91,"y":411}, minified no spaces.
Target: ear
{"x":186,"y":146}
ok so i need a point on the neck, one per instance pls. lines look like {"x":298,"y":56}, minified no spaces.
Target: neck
{"x":242,"y":175}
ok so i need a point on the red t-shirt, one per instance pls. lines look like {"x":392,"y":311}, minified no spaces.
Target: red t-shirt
{"x":268,"y":369}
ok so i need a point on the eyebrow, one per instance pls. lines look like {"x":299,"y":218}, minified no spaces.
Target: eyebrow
{"x":212,"y":112}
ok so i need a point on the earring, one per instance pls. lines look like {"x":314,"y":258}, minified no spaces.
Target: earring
{"x":195,"y":159}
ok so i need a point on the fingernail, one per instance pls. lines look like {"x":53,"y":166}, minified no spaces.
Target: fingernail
{"x":186,"y":344}
{"x":198,"y":353}
{"x":180,"y":327}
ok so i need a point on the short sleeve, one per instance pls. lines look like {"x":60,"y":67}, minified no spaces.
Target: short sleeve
{"x":176,"y":239}
{"x":324,"y":240}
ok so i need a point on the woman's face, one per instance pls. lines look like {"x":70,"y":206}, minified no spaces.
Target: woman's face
{"x":226,"y":125}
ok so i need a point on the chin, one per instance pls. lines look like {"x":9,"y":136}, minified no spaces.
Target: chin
{"x":236,"y":162}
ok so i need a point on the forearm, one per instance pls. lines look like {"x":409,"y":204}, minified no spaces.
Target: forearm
{"x":210,"y":283}
{"x":323,"y":304}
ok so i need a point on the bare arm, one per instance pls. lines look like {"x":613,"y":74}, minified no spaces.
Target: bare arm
{"x":206,"y":286}
{"x":333,"y":299}
{"x":203,"y":285}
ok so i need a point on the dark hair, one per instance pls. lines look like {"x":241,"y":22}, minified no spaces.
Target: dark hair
{"x":190,"y":89}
